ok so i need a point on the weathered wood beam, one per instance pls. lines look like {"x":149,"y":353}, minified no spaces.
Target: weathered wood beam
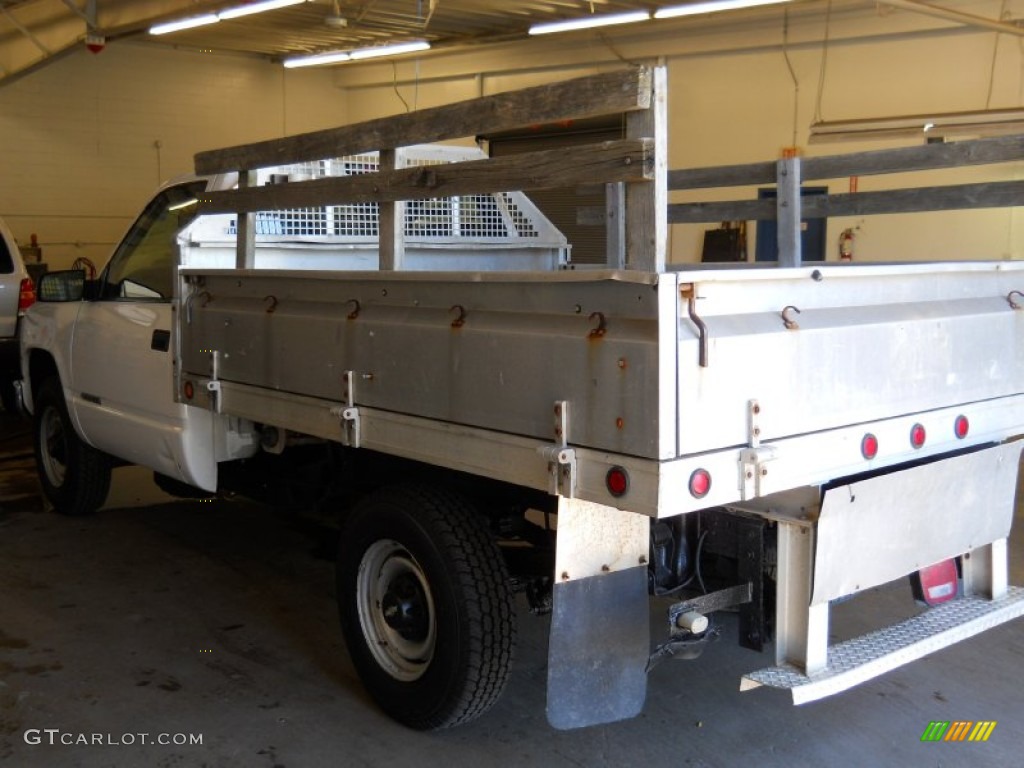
{"x":727,"y":210}
{"x":928,"y":157}
{"x":592,"y":96}
{"x":997,"y":194}
{"x":646,"y":235}
{"x":994,"y":194}
{"x":391,"y":222}
{"x":624,"y":160}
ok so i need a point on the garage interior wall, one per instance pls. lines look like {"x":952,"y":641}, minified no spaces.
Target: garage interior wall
{"x":732,"y":99}
{"x":85,"y":141}
{"x":78,"y":138}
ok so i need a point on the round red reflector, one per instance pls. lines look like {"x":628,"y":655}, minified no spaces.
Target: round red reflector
{"x":869,"y":446}
{"x":617,"y":481}
{"x":917,"y":435}
{"x":961,"y":427}
{"x":189,"y":390}
{"x":700,"y":483}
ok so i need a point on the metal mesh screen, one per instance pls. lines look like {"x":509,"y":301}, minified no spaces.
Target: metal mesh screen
{"x":523,"y":226}
{"x":355,"y":219}
{"x":485,"y":217}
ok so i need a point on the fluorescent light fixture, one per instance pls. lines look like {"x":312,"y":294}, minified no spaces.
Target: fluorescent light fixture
{"x":189,"y":23}
{"x":986,"y":122}
{"x":336,"y":57}
{"x":229,"y":13}
{"x":266,"y":5}
{"x":713,"y":6}
{"x":588,"y":22}
{"x":388,"y":50}
{"x":316,"y":60}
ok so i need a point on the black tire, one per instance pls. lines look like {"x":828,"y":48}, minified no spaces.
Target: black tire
{"x":8,"y":397}
{"x":74,"y":475}
{"x":425,"y":606}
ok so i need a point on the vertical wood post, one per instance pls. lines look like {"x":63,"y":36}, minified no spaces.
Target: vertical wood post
{"x":647,"y":202}
{"x":391,"y":226}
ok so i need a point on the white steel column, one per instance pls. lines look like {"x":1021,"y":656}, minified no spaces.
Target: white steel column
{"x":985,"y":571}
{"x":801,"y":634}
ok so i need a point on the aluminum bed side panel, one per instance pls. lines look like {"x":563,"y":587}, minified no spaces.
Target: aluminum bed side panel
{"x":485,"y":352}
{"x":862,"y":349}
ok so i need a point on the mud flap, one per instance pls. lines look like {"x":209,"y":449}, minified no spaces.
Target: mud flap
{"x":600,"y":626}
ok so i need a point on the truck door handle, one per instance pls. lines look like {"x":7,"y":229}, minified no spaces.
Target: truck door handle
{"x":161,"y":340}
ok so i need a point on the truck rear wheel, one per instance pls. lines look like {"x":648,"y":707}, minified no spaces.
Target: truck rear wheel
{"x":425,"y":606}
{"x":74,"y":475}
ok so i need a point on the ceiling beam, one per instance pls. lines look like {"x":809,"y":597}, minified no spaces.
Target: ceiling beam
{"x":84,"y":15}
{"x":1009,"y":28}
{"x":25,"y":31}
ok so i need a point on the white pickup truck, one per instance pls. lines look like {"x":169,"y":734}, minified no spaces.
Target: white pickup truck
{"x":763,"y":439}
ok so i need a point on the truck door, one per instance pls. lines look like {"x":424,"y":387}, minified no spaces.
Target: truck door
{"x":123,"y":352}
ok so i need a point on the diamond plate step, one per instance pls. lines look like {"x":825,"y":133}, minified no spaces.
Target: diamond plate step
{"x":855,"y":661}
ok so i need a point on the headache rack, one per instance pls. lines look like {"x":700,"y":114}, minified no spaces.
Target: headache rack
{"x":486,"y":230}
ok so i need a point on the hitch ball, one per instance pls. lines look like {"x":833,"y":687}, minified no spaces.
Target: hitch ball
{"x":693,"y":622}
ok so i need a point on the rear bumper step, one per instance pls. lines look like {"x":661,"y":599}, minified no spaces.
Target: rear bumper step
{"x":856,"y":661}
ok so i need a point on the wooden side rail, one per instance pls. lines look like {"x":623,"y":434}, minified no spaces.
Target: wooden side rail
{"x":604,"y":94}
{"x":924,"y":158}
{"x":610,"y":161}
{"x":996,"y":194}
{"x":639,"y":160}
{"x":789,"y":207}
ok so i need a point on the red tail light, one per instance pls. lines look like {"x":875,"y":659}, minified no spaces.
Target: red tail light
{"x":869,"y":446}
{"x":26,"y":294}
{"x":917,"y":435}
{"x":617,"y":481}
{"x":961,"y":427}
{"x":700,"y":483}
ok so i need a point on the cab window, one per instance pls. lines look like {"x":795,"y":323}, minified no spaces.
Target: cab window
{"x":142,"y":268}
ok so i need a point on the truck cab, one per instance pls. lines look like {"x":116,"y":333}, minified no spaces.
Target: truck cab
{"x":109,"y":359}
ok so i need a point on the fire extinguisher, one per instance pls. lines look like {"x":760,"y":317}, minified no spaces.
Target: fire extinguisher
{"x":846,"y":245}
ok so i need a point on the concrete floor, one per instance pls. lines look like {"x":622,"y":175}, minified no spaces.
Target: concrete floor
{"x":217,"y":619}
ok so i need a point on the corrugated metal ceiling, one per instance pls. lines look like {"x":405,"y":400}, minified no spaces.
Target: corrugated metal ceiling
{"x":313,"y":26}
{"x":34,"y":31}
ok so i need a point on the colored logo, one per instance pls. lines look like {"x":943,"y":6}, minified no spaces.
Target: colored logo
{"x":958,"y":730}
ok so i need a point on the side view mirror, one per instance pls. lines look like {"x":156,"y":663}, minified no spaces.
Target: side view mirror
{"x":63,"y":285}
